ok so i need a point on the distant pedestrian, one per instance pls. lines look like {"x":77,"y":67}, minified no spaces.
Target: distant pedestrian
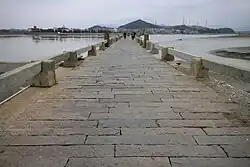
{"x":133,"y":35}
{"x":124,"y":35}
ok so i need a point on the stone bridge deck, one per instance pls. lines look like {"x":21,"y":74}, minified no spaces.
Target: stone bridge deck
{"x":123,"y":108}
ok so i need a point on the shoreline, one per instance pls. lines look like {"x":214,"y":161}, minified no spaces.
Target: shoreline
{"x":242,"y":53}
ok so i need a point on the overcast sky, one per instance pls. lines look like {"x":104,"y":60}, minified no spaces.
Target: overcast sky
{"x":84,"y":13}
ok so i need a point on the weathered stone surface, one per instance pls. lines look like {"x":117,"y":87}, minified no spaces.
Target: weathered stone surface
{"x":150,"y":104}
{"x":62,"y":116}
{"x":198,"y":123}
{"x":127,"y":123}
{"x":237,"y":151}
{"x":207,"y":162}
{"x":228,"y":131}
{"x":119,"y":162}
{"x":231,"y":140}
{"x":129,"y":94}
{"x":190,"y":106}
{"x":168,"y":151}
{"x":90,"y":151}
{"x":198,"y":95}
{"x":135,"y":115}
{"x":41,"y":140}
{"x":135,"y":98}
{"x":162,"y":131}
{"x":141,"y":139}
{"x":187,"y":89}
{"x":53,"y":124}
{"x":63,"y":131}
{"x":202,"y":116}
{"x":144,"y":109}
{"x":100,"y":107}
{"x":31,"y":161}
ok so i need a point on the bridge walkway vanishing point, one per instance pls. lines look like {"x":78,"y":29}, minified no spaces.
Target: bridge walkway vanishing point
{"x":123,"y":108}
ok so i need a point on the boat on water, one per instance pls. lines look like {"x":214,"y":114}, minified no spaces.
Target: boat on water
{"x":36,"y":37}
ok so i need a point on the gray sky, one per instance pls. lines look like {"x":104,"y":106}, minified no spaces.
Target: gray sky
{"x":84,"y":13}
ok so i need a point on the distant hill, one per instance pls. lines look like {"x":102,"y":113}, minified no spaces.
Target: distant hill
{"x":99,"y":27}
{"x":202,"y":30}
{"x":109,"y":25}
{"x":139,"y":24}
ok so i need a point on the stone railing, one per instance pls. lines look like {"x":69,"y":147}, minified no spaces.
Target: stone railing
{"x":42,"y":73}
{"x":199,"y":66}
{"x":7,"y":66}
{"x":229,"y":80}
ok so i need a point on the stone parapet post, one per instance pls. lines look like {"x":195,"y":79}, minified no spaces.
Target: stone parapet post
{"x":47,"y":76}
{"x":102,"y":46}
{"x":141,"y":43}
{"x":165,"y":56}
{"x":148,"y":45}
{"x":72,"y":60}
{"x":137,"y":40}
{"x":93,"y":51}
{"x":197,"y":68}
{"x":154,"y":50}
{"x":107,"y":37}
{"x":146,"y":38}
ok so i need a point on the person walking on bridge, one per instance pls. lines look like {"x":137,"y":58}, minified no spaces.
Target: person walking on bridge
{"x":133,"y":35}
{"x":124,"y":35}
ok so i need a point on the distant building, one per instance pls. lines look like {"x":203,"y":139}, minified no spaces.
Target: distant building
{"x":62,"y":29}
{"x":34,"y":29}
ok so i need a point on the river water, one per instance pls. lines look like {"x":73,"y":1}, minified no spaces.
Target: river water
{"x":201,"y":45}
{"x":19,"y":49}
{"x":25,"y":48}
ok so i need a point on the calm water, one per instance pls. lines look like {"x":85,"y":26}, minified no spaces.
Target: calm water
{"x":26,"y":49}
{"x":200,"y":45}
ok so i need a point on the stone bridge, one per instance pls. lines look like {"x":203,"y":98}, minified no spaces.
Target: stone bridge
{"x":123,"y":108}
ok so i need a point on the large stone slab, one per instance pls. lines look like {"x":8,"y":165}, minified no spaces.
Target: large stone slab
{"x":99,"y":107}
{"x":202,"y":116}
{"x":197,"y":123}
{"x":141,"y":139}
{"x":41,"y":140}
{"x":230,"y":140}
{"x":207,"y":162}
{"x":188,"y":89}
{"x":53,"y":124}
{"x":31,"y":161}
{"x":237,"y":151}
{"x":189,"y":106}
{"x":168,"y":151}
{"x":164,"y":110}
{"x":162,"y":131}
{"x":119,"y":162}
{"x":228,"y":131}
{"x":127,"y":123}
{"x":150,"y":104}
{"x":89,"y":151}
{"x":61,"y":116}
{"x":63,"y":131}
{"x":137,"y":98}
{"x":135,"y":115}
